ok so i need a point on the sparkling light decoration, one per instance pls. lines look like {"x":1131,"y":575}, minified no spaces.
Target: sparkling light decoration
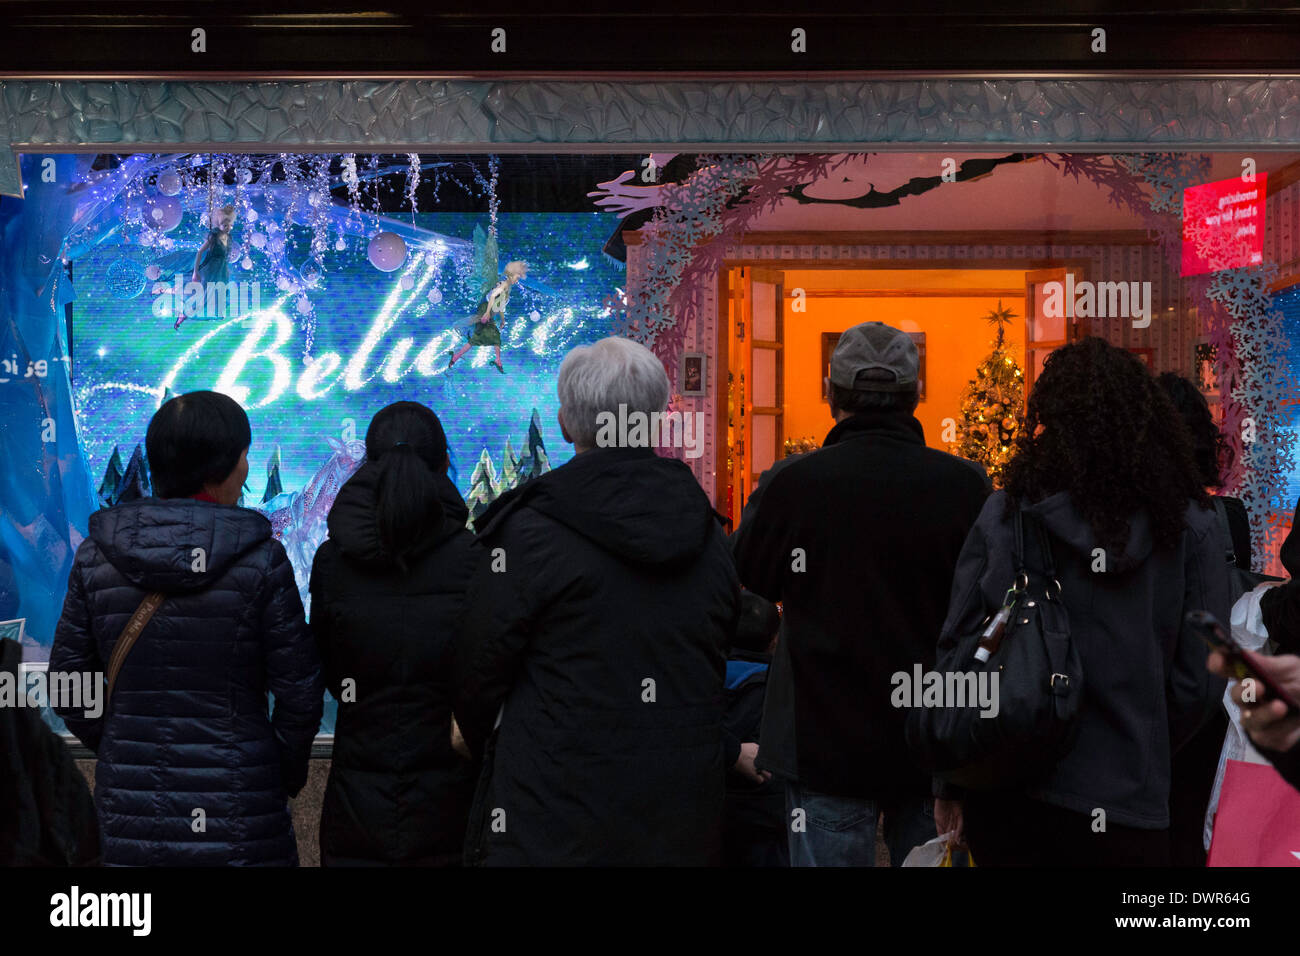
{"x":125,"y":279}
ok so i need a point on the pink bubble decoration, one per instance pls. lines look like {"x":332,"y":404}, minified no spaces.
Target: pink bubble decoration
{"x":387,"y":251}
{"x":165,"y":212}
{"x":169,"y":183}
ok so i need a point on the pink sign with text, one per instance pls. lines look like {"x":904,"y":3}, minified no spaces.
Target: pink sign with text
{"x":1223,"y":225}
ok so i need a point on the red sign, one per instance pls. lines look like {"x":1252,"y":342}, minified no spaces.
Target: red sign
{"x":1223,"y":225}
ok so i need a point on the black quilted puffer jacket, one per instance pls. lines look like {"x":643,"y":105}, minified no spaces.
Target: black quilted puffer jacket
{"x":188,"y":727}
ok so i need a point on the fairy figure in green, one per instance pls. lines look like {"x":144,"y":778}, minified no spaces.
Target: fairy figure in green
{"x":492,"y":304}
{"x":211,"y":262}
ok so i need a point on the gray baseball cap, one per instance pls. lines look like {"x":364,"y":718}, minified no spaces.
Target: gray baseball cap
{"x":874,"y":357}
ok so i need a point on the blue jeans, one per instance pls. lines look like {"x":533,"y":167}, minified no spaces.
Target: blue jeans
{"x":841,"y":831}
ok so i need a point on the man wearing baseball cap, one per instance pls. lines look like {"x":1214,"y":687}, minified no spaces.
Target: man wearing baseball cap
{"x":858,"y":540}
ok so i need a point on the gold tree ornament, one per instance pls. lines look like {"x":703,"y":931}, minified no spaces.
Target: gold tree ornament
{"x":996,"y":395}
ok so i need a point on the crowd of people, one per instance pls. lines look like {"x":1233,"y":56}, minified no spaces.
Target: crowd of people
{"x":599,"y":674}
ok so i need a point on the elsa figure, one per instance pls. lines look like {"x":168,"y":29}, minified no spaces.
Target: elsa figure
{"x":485,"y":331}
{"x":211,"y":262}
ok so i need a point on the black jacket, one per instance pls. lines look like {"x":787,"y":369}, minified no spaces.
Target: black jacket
{"x":187,"y":729}
{"x":858,"y":540}
{"x":600,"y":615}
{"x":1146,"y":689}
{"x":1280,"y":606}
{"x":47,"y":817}
{"x":397,"y":793}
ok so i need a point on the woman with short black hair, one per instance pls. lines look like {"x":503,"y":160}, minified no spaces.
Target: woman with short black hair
{"x":387,"y":589}
{"x":191,"y":769}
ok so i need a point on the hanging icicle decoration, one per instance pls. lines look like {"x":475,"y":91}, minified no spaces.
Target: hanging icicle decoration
{"x":494,"y":167}
{"x":412,"y":182}
{"x":372,"y":165}
{"x":209,"y":221}
{"x":321,"y":205}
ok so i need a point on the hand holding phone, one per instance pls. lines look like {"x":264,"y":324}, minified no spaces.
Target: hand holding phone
{"x":1243,"y":664}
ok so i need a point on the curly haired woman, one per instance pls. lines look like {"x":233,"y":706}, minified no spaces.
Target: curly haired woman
{"x":1106,"y":465}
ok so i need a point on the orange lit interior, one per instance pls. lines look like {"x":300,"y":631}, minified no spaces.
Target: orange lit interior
{"x":950,"y":306}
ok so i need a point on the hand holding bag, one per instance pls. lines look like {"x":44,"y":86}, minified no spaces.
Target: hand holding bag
{"x":1039,"y":688}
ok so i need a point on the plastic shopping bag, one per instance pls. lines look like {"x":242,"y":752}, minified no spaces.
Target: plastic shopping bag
{"x":1247,"y":630}
{"x":941,"y":851}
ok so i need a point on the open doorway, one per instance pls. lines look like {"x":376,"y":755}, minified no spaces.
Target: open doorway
{"x":781,"y":325}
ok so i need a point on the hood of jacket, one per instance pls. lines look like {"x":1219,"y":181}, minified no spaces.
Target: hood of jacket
{"x":647,"y":510}
{"x":1069,"y":528}
{"x":176,"y":545}
{"x":354,"y":527}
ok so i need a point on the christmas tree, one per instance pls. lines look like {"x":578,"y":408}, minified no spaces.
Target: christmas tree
{"x":112,"y":480}
{"x":534,"y":462}
{"x":136,"y":483}
{"x":273,"y":485}
{"x":991,"y":404}
{"x":509,"y":469}
{"x":484,"y":487}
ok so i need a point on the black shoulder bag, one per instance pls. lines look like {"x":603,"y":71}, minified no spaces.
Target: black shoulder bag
{"x":1039,"y":688}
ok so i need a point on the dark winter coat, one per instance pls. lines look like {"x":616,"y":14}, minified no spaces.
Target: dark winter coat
{"x":397,"y":793}
{"x":47,"y":816}
{"x":858,"y":540}
{"x":600,"y":615}
{"x":187,"y":728}
{"x":1146,"y":689}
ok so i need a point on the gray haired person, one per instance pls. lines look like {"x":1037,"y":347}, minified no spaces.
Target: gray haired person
{"x":589,"y":669}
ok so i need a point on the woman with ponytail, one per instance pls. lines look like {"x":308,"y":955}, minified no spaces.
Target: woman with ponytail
{"x":387,"y":588}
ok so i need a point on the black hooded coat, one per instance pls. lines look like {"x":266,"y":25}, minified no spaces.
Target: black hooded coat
{"x":600,"y":615}
{"x":397,"y":793}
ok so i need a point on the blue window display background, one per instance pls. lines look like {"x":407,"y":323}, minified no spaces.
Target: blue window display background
{"x":122,"y":355}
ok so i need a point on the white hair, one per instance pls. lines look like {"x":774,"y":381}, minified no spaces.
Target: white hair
{"x":601,"y":377}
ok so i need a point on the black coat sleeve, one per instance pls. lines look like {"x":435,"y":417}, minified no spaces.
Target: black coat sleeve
{"x":761,"y":544}
{"x":293,"y":671}
{"x":1192,"y":692}
{"x":496,"y":627}
{"x":76,"y":652}
{"x":968,"y":606}
{"x":1287,"y":763}
{"x":322,"y":586}
{"x":1280,"y":607}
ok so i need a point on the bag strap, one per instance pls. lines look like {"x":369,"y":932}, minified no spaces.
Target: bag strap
{"x":1047,"y":565}
{"x":126,"y":640}
{"x":1018,"y":546}
{"x":1221,"y":512}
